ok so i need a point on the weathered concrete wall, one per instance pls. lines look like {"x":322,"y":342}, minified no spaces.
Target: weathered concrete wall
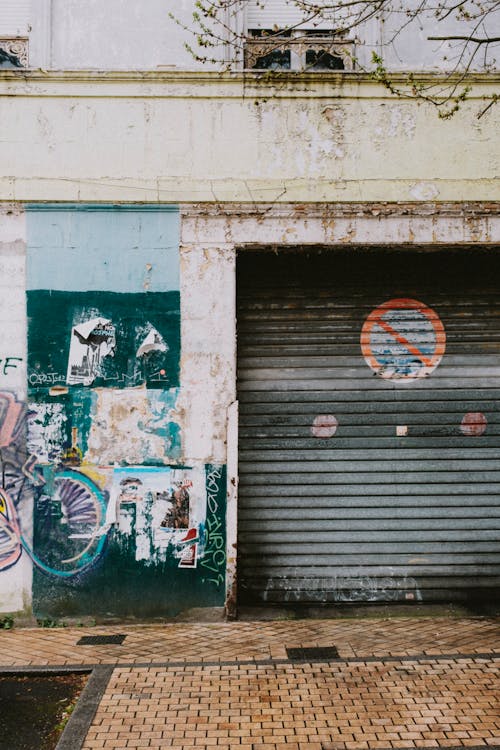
{"x":15,"y":568}
{"x":118,"y":34}
{"x":101,"y":459}
{"x":161,"y":138}
{"x":208,"y":362}
{"x":137,"y":35}
{"x":98,"y":494}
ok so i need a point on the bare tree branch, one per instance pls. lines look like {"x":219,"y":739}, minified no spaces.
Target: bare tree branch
{"x":471,"y":39}
{"x":471,"y":25}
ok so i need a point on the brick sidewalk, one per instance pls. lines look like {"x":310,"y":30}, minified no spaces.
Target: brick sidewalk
{"x":313,"y":706}
{"x":401,"y":683}
{"x":236,"y":641}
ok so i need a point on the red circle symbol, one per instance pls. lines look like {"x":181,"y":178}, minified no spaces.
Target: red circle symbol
{"x":473,"y":424}
{"x":403,"y":339}
{"x":324,"y":426}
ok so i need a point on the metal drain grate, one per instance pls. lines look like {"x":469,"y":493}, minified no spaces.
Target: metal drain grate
{"x":100,"y":640}
{"x":320,"y":653}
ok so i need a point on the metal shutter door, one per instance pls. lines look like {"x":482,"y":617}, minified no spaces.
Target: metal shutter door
{"x":272,"y":14}
{"x":14,"y":17}
{"x":366,"y":514}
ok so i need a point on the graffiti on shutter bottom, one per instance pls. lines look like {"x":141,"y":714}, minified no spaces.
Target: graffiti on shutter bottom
{"x":388,"y":588}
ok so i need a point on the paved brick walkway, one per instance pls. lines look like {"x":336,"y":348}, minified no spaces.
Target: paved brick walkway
{"x":400,"y":683}
{"x":251,"y":640}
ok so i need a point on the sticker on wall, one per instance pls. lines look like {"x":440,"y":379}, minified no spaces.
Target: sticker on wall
{"x":403,"y":339}
{"x":135,"y":485}
{"x":177,"y":515}
{"x":324,"y":426}
{"x":158,"y":510}
{"x":188,"y":556}
{"x":473,"y":424}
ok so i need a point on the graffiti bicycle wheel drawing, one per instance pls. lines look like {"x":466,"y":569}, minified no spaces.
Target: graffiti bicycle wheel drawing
{"x":70,"y":537}
{"x":74,"y":507}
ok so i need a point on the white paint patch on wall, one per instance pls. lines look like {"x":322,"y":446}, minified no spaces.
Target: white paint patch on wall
{"x":125,"y":429}
{"x":208,"y":356}
{"x":13,"y":300}
{"x":46,"y":425}
{"x":15,"y":582}
{"x":424,"y":191}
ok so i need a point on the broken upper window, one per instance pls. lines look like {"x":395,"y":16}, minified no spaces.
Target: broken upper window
{"x":286,"y":35}
{"x":299,"y":50}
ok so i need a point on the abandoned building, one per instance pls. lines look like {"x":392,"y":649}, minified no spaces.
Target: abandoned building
{"x":250,"y":344}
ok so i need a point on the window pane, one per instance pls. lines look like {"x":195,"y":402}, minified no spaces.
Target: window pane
{"x":321,"y":60}
{"x":275,"y":60}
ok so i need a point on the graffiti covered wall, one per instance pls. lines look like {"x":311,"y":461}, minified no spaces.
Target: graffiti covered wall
{"x":95,"y":494}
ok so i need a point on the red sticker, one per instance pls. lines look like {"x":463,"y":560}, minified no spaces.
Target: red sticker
{"x":403,"y":339}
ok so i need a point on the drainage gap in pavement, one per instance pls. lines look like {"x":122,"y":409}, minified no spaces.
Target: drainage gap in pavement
{"x":321,"y":653}
{"x":100,"y":640}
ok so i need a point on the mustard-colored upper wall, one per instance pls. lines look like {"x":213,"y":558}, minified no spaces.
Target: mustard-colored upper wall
{"x":210,"y":137}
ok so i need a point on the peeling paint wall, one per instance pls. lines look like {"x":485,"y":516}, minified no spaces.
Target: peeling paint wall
{"x":98,"y":500}
{"x":165,"y":138}
{"x":115,"y":496}
{"x":15,"y":498}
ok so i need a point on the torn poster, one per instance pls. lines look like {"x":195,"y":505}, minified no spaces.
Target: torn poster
{"x":91,"y":341}
{"x":153,"y":342}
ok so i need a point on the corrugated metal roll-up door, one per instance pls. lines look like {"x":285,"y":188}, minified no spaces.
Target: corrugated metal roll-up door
{"x":369,"y":436}
{"x":14,"y":17}
{"x":272,"y":14}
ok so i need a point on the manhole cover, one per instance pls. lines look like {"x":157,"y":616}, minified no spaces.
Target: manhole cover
{"x":321,"y":653}
{"x":100,"y":640}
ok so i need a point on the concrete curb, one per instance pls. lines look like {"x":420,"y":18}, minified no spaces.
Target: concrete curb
{"x":76,"y":729}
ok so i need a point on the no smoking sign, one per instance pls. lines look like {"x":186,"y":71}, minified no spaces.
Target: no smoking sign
{"x":403,"y":339}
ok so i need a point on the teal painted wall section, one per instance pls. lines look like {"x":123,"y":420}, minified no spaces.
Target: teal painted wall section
{"x":106,"y":248}
{"x":135,"y":567}
{"x":122,"y":527}
{"x":54,"y":315}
